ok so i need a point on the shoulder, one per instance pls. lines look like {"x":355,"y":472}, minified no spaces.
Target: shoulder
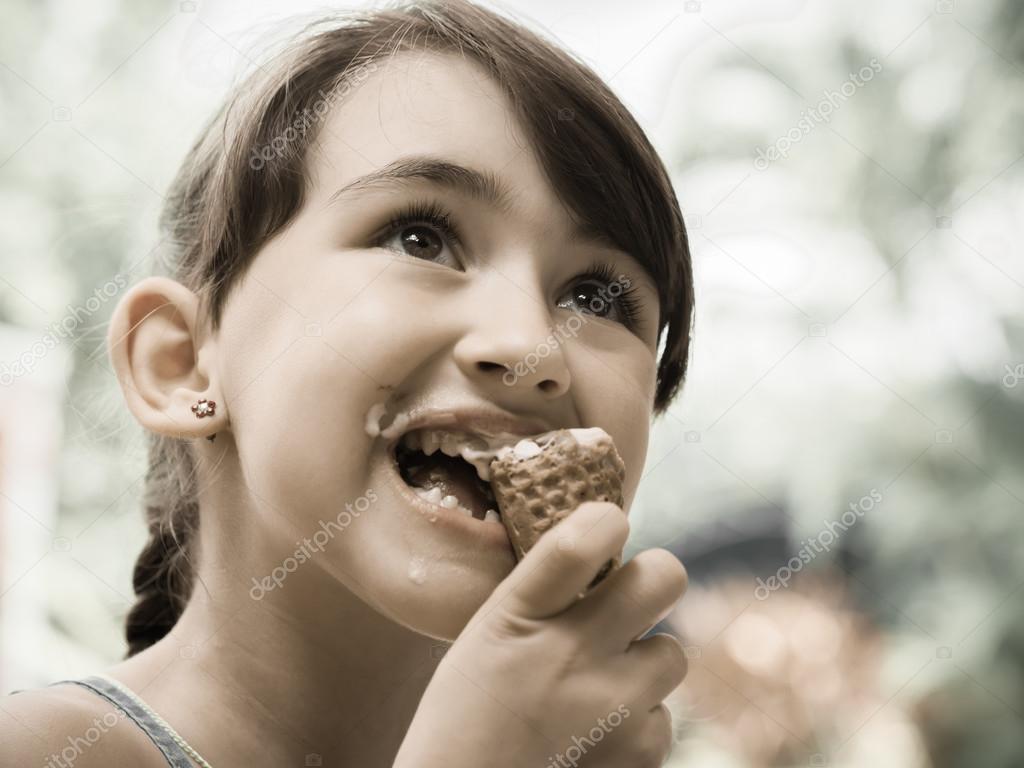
{"x":68,"y":725}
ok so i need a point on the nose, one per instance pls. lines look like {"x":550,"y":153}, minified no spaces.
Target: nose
{"x":513,"y":345}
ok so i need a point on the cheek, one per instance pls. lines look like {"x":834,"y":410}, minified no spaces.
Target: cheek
{"x":380,"y":331}
{"x":615,"y":391}
{"x":298,"y":425}
{"x":303,"y":368}
{"x":296,"y":406}
{"x":629,"y":425}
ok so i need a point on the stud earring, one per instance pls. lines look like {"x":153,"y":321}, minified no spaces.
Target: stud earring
{"x":204,"y":408}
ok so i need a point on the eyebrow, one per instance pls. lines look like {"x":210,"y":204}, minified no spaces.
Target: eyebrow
{"x":482,"y":186}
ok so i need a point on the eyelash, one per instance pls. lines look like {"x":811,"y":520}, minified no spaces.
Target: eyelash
{"x":431,"y":213}
{"x":438,"y":217}
{"x":628,"y":301}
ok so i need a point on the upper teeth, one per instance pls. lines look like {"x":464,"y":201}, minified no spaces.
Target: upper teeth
{"x":474,"y":449}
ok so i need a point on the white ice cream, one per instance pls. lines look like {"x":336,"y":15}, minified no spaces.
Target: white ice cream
{"x":373,"y":417}
{"x":530,"y":447}
{"x":376,"y":414}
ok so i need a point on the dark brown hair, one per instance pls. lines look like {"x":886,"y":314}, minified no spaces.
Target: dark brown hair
{"x":231,"y":195}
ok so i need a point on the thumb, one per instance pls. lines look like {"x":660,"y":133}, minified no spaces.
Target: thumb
{"x":562,"y":563}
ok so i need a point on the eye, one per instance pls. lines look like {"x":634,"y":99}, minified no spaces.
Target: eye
{"x":600,"y":292}
{"x":423,"y":231}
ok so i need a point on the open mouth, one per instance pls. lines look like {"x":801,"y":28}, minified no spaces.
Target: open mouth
{"x":450,"y":469}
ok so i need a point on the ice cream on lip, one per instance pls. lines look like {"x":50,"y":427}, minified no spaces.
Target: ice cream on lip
{"x":375,"y":415}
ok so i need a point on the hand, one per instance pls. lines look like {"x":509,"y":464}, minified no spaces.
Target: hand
{"x":543,"y":677}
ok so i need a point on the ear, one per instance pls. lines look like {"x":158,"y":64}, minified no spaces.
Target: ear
{"x":163,"y":356}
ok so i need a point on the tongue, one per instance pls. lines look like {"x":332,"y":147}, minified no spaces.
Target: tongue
{"x":454,"y":477}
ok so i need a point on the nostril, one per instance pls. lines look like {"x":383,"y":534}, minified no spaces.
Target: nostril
{"x":487,"y":366}
{"x":548,"y":386}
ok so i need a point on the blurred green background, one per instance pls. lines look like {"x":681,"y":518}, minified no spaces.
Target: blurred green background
{"x":858,"y":342}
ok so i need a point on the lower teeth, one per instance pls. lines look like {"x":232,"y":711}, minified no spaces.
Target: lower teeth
{"x":433,"y":495}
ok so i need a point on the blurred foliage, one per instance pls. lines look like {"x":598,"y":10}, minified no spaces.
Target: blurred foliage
{"x":859,"y":305}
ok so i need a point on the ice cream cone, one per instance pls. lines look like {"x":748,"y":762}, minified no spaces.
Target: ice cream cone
{"x":542,"y":480}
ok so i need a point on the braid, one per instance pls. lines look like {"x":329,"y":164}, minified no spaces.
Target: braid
{"x":163,"y":572}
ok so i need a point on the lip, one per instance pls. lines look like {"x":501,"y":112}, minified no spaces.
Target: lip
{"x":489,"y":422}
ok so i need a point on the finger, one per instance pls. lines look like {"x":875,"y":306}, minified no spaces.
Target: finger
{"x":644,"y":740}
{"x":635,"y":737}
{"x":635,"y":598}
{"x":659,"y":663}
{"x":564,"y":561}
{"x":660,"y":736}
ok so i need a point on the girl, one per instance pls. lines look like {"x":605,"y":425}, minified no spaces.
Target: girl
{"x":423,"y":217}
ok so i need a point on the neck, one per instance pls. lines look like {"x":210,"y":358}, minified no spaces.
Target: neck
{"x":308,"y":668}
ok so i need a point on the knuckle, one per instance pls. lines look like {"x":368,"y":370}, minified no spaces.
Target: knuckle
{"x":505,"y":626}
{"x":672,"y":657}
{"x":671,"y":572}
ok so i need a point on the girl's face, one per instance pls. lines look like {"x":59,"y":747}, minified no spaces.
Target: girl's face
{"x":484,"y":305}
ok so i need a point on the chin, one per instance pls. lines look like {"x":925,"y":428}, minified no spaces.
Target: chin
{"x":445,"y":617}
{"x":439,"y":607}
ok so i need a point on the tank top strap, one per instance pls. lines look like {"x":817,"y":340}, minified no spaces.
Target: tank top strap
{"x":175,"y":749}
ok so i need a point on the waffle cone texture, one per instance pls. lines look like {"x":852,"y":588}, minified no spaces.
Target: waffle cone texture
{"x":534,"y":494}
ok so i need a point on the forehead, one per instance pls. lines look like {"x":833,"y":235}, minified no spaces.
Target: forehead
{"x":421,"y":103}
